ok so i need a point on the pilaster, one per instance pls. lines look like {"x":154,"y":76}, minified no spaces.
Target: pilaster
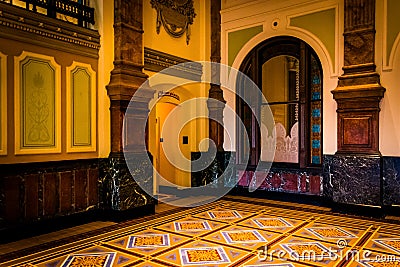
{"x":127,"y":76}
{"x":359,"y":91}
{"x":216,"y":103}
{"x":355,"y":171}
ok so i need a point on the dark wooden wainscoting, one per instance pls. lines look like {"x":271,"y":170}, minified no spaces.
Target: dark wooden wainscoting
{"x":35,"y":191}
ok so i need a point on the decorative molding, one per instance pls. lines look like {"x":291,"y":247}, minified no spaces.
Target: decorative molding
{"x":157,"y":61}
{"x":22,"y":25}
{"x":38,"y":128}
{"x":3,"y":104}
{"x":74,"y":111}
{"x":175,"y":15}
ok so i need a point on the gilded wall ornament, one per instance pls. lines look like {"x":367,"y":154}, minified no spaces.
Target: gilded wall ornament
{"x":175,"y":15}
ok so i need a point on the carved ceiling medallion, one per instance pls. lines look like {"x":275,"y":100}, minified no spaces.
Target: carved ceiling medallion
{"x":175,"y":15}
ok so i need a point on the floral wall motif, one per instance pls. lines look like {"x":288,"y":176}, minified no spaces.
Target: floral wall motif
{"x":37,"y":104}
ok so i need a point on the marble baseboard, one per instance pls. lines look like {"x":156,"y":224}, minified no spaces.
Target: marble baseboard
{"x":345,"y":179}
{"x":122,"y":187}
{"x":284,"y":180}
{"x":391,"y":181}
{"x":362,"y":179}
{"x":354,"y":179}
{"x":206,"y":169}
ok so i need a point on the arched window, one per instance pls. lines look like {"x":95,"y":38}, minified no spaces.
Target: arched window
{"x":289,"y":73}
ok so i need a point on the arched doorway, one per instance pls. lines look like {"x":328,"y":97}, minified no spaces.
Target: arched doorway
{"x":289,"y":74}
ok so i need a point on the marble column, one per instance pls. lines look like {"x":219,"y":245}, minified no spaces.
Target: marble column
{"x":356,"y":167}
{"x":120,"y":187}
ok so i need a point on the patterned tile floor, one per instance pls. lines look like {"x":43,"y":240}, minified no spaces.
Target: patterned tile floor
{"x":232,"y":232}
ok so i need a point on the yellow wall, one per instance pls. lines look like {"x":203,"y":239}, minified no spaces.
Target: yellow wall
{"x":198,"y":48}
{"x":16,"y":153}
{"x":105,"y":12}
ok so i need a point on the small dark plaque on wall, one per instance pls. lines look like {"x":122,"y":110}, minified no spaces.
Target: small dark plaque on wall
{"x":185,"y":140}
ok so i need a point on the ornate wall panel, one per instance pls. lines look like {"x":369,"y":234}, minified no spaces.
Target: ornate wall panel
{"x":37,"y":104}
{"x":3,"y":104}
{"x":81,"y":108}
